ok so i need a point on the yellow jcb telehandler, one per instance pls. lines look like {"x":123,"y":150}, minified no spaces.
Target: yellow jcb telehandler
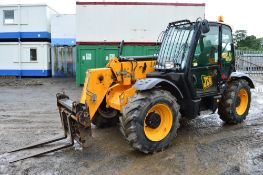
{"x":193,"y":71}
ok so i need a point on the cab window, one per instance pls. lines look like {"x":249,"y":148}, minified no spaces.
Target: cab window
{"x":227,"y":54}
{"x":206,"y":52}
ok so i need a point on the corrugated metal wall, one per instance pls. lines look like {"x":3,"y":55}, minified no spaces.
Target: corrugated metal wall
{"x":63,"y":61}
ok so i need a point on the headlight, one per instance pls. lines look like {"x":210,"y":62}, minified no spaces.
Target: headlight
{"x":169,"y":65}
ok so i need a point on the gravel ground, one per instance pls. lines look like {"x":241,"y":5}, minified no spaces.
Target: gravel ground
{"x":205,"y":145}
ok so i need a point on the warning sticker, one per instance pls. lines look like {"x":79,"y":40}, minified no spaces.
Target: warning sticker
{"x":207,"y":81}
{"x":87,"y":56}
{"x":110,"y":56}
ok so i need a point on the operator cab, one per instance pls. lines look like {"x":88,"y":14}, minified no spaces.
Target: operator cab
{"x":198,"y":57}
{"x":204,"y":50}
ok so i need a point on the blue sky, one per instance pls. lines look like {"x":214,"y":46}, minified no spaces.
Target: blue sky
{"x":239,"y":14}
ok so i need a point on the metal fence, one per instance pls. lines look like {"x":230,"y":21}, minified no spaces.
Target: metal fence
{"x":250,"y":62}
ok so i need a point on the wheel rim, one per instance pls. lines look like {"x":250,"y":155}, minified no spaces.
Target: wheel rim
{"x":241,"y":107}
{"x":157,"y":130}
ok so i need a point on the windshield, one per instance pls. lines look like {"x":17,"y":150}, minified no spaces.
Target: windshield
{"x":175,"y":46}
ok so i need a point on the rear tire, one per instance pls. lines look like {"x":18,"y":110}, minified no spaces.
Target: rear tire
{"x":150,"y":120}
{"x":235,"y":102}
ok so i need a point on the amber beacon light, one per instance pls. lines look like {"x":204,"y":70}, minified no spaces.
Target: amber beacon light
{"x":220,"y":19}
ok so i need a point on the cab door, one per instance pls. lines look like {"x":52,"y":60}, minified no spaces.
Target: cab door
{"x":205,"y":64}
{"x":227,"y":53}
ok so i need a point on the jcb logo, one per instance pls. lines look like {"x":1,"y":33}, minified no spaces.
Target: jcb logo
{"x":207,"y":81}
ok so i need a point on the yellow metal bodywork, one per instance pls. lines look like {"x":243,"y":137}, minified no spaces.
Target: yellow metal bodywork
{"x":128,"y":72}
{"x":118,"y":96}
{"x":113,"y":83}
{"x":97,"y":83}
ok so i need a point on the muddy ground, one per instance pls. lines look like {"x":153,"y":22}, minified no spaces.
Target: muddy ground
{"x":205,"y":145}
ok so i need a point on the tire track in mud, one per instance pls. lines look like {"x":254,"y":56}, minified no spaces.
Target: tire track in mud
{"x":231,"y":146}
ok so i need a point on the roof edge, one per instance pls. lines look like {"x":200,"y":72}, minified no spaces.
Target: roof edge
{"x":27,"y":5}
{"x":115,"y":43}
{"x":140,"y":3}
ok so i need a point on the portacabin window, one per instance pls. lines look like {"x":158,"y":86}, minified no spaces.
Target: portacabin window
{"x":9,"y":16}
{"x":33,"y":54}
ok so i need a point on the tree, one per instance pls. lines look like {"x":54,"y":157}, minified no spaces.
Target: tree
{"x":239,"y":35}
{"x":250,"y":42}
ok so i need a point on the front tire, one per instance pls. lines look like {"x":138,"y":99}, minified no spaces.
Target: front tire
{"x":150,"y":120}
{"x":105,"y":117}
{"x":235,"y":103}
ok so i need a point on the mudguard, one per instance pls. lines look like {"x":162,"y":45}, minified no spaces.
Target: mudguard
{"x":149,"y":83}
{"x":240,"y":75}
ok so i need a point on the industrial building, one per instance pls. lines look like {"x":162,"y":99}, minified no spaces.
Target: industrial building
{"x":25,"y":40}
{"x":37,"y":41}
{"x":63,"y":41}
{"x":101,"y":26}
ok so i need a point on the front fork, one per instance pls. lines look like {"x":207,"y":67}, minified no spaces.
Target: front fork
{"x":81,"y":124}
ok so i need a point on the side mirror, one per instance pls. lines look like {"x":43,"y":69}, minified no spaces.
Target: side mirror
{"x":205,"y":26}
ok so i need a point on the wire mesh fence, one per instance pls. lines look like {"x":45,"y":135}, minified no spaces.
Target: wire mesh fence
{"x":250,"y":62}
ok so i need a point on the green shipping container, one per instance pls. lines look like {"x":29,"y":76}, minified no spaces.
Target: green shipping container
{"x":97,"y":56}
